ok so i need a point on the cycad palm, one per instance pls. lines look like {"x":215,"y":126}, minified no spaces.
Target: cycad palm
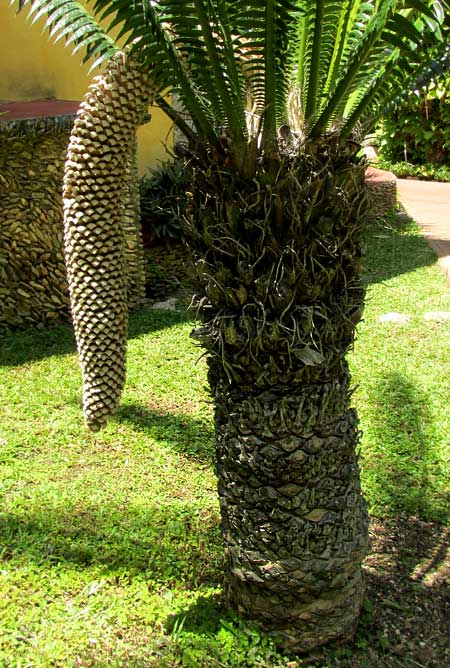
{"x":275,"y":90}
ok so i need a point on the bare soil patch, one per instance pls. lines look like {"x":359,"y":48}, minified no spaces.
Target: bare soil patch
{"x":406,"y":620}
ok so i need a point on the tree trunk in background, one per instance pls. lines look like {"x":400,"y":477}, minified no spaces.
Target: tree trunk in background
{"x":96,"y":175}
{"x":278,"y":261}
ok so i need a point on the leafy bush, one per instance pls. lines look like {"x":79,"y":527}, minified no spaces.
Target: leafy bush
{"x":427,"y":172}
{"x":163,"y":200}
{"x":418,"y":132}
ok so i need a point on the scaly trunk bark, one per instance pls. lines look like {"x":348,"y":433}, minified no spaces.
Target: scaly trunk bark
{"x":294,"y":521}
{"x":278,"y":262}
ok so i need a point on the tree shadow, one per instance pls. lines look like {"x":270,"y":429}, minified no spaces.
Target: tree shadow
{"x":408,"y":586}
{"x":21,"y":346}
{"x":403,"y":467}
{"x":202,"y":616}
{"x":179,"y":545}
{"x":168,"y":543}
{"x":406,"y":576}
{"x":181,"y":432}
{"x":391,"y":252}
{"x":32,"y":345}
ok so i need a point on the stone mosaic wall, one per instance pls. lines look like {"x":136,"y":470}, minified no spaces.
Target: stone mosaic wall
{"x":33,"y":285}
{"x":382,"y":192}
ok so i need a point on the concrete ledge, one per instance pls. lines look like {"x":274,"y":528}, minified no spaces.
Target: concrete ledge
{"x":37,"y":116}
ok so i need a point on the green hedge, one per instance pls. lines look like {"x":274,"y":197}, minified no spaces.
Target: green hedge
{"x":418,"y":132}
{"x":426,"y":172}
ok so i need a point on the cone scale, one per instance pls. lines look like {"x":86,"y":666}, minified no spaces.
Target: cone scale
{"x":96,"y":198}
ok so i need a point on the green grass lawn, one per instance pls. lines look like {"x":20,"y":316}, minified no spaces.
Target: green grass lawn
{"x":403,"y":377}
{"x":109,"y":542}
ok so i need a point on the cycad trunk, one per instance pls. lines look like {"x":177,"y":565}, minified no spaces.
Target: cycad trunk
{"x":278,"y":261}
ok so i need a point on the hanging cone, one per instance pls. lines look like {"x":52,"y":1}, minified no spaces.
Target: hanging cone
{"x":95,"y":178}
{"x":134,"y":248}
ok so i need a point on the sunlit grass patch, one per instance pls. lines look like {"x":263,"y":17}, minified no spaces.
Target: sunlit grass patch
{"x":403,"y":376}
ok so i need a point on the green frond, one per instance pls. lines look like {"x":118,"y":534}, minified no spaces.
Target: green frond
{"x":317,"y":51}
{"x":403,"y":72}
{"x":324,"y":31}
{"x":71,"y":21}
{"x":391,"y":30}
{"x":149,"y":32}
{"x":352,"y":16}
{"x":213,"y":35}
{"x":230,"y":61}
{"x":367,"y":98}
{"x":357,"y":61}
{"x":270,"y":85}
{"x":400,"y":87}
{"x":268,"y":31}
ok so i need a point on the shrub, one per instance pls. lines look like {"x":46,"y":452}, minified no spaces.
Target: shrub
{"x":163,"y":200}
{"x":418,"y":132}
{"x":426,"y":172}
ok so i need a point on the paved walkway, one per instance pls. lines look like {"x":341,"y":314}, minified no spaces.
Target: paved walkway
{"x":428,"y":202}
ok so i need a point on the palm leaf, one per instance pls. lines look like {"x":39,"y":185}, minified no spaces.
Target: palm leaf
{"x":214,"y":53}
{"x":152,"y":39}
{"x":352,"y":16}
{"x":70,"y":20}
{"x":400,"y":89}
{"x":387,"y":35}
{"x":356,"y":62}
{"x":395,"y":81}
{"x":325,"y":32}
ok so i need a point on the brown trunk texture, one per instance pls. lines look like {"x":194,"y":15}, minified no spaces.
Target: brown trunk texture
{"x":294,"y":521}
{"x":278,"y":262}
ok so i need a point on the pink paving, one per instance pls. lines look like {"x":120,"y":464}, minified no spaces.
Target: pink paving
{"x":428,"y":202}
{"x":20,"y":111}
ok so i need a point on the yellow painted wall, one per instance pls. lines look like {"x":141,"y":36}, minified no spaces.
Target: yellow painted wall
{"x":33,"y":68}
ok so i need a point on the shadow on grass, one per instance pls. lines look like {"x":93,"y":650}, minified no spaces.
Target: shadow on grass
{"x":405,"y":624}
{"x":391,"y":252}
{"x":201,"y":617}
{"x":408,"y":586}
{"x":168,"y":543}
{"x":406,"y":575}
{"x":31,"y":345}
{"x":179,"y":432}
{"x":403,"y":469}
